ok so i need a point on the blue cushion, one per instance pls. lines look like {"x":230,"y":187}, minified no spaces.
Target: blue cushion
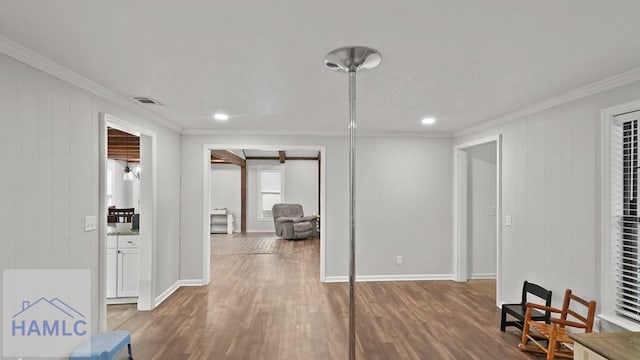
{"x":102,"y":346}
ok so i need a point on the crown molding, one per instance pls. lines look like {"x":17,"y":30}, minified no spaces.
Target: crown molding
{"x":361,"y":133}
{"x":573,"y":95}
{"x":26,"y":56}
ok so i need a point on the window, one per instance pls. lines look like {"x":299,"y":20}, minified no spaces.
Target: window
{"x":270,"y":191}
{"x":624,"y":196}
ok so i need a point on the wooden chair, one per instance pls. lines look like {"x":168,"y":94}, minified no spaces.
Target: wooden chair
{"x":557,"y":332}
{"x":123,"y":215}
{"x":518,"y":311}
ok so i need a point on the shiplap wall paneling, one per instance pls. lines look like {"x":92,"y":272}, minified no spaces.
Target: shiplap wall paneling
{"x":26,"y":170}
{"x":550,"y":187}
{"x":8,"y":158}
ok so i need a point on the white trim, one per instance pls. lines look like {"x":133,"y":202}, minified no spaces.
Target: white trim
{"x":173,"y":288}
{"x":459,"y":234}
{"x":619,"y":321}
{"x":147,"y":249}
{"x":361,"y":133}
{"x":607,"y":272}
{"x":26,"y":56}
{"x":206,"y":188}
{"x":192,"y":282}
{"x":165,"y":294}
{"x":407,"y":277}
{"x":483,"y":276}
{"x":261,"y":230}
{"x":118,"y":301}
{"x":573,"y":95}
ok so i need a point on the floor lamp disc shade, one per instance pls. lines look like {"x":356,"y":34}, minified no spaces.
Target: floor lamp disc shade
{"x":352,"y":60}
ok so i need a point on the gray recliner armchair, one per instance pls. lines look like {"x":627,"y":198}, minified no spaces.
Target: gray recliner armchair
{"x":291,"y":223}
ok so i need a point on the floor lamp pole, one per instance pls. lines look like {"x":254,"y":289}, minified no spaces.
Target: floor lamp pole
{"x":351,"y":60}
{"x":352,"y":215}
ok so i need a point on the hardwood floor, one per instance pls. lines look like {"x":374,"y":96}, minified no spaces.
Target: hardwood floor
{"x":265,"y":302}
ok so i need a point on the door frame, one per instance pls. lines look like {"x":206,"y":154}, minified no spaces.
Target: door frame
{"x":206,"y":203}
{"x":146,"y":299}
{"x":460,"y":251}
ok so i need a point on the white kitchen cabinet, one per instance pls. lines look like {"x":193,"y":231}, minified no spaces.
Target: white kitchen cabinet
{"x":128,"y":272}
{"x":123,"y":268}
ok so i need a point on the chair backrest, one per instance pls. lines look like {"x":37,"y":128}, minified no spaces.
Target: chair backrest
{"x":123,"y":215}
{"x":569,"y":305}
{"x":287,"y":210}
{"x":536,"y":290}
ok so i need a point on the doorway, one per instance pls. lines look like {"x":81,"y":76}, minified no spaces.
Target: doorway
{"x":127,"y":215}
{"x":477,"y":211}
{"x":250,"y":217}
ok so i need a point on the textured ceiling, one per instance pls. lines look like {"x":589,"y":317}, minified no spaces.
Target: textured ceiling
{"x":463,"y":62}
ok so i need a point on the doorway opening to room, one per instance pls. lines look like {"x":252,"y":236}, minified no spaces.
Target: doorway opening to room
{"x":127,"y":206}
{"x":477,"y":216}
{"x":243,"y":183}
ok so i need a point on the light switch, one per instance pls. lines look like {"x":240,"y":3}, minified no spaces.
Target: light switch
{"x":507,"y":220}
{"x":90,"y":223}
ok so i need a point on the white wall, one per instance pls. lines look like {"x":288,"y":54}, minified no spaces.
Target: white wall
{"x":404,"y":191}
{"x":301,"y":184}
{"x":300,"y":187}
{"x":225,"y":190}
{"x":550,"y":187}
{"x":481,"y":211}
{"x":49,"y":138}
{"x":404,"y":181}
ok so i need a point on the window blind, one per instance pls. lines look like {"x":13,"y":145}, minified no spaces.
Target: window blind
{"x":625,"y":174}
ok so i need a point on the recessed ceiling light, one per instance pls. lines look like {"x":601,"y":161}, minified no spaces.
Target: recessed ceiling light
{"x":428,"y":121}
{"x":221,"y":116}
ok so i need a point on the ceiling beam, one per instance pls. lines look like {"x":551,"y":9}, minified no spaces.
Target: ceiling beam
{"x":123,"y":146}
{"x":283,"y":156}
{"x":227,"y":157}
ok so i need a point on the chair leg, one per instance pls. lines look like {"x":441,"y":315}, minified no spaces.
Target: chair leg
{"x":525,"y":333}
{"x":504,"y":319}
{"x":130,"y":351}
{"x":551,"y":348}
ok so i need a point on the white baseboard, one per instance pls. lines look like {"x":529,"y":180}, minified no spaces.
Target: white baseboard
{"x":260,"y":231}
{"x":485,"y":276}
{"x":407,"y":277}
{"x":118,"y":301}
{"x":178,"y":284}
{"x":192,"y":282}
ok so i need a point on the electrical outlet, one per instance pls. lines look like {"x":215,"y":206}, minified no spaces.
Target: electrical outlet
{"x":507,"y":220}
{"x":399,"y":260}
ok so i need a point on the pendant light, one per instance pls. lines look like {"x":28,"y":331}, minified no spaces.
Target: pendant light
{"x":128,"y":174}
{"x":351,"y":60}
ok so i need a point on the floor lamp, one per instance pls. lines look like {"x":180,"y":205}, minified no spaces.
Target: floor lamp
{"x":351,"y":60}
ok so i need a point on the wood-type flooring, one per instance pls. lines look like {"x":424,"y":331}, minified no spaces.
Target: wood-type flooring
{"x":265,"y":301}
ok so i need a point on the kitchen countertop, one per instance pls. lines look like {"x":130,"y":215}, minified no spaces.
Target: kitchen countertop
{"x":613,"y":346}
{"x":123,"y":229}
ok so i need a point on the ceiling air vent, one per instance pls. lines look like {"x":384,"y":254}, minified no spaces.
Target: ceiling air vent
{"x":146,"y":100}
